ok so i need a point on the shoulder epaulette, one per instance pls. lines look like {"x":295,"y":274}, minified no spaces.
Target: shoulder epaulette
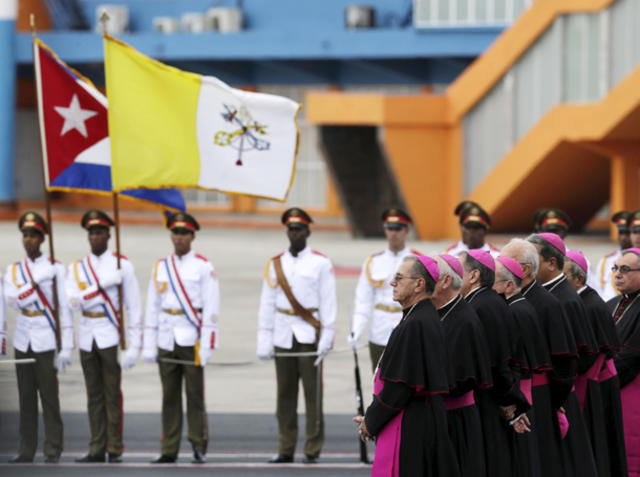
{"x":493,"y":248}
{"x":450,"y":247}
{"x":377,"y":253}
{"x":276,"y":256}
{"x":319,"y":253}
{"x":611,"y":254}
{"x":415,"y":252}
{"x":121,"y":256}
{"x":201,"y":257}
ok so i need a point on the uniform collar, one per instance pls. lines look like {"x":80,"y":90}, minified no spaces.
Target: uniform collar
{"x":187,"y":255}
{"x":402,"y":252}
{"x":305,"y":251}
{"x":449,"y":305}
{"x":39,"y":259}
{"x":106,"y":253}
{"x":469,"y":296}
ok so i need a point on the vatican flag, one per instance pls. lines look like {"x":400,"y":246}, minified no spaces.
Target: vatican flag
{"x":172,"y":128}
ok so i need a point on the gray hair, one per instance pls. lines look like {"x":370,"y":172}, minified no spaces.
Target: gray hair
{"x":628,"y":250}
{"x":445,"y":269}
{"x":576,"y":270}
{"x":529,"y":255}
{"x":547,"y":250}
{"x":503,"y":273}
{"x":418,"y":270}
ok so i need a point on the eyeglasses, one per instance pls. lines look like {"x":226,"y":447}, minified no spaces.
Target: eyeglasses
{"x":397,"y":277}
{"x":624,"y":269}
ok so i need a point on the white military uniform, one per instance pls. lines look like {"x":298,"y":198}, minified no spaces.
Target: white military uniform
{"x":459,"y":247}
{"x":374,"y":296}
{"x":83,"y":294}
{"x":32,"y":326}
{"x":165,"y":325}
{"x":312,"y":281}
{"x":604,"y":284}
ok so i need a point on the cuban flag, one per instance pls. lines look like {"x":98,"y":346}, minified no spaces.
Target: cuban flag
{"x":75,"y":134}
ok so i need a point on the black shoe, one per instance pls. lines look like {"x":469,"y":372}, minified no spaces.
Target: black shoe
{"x":21,"y":459}
{"x":310,"y":459}
{"x":89,"y":458}
{"x":164,"y":459}
{"x":52,"y":459}
{"x":280,"y":459}
{"x":198,"y":457}
{"x":115,"y":458}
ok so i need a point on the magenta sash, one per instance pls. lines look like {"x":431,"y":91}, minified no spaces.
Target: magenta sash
{"x":630,"y":395}
{"x":563,"y":422}
{"x":525,"y":387}
{"x":540,"y":379}
{"x":608,"y":372}
{"x":457,"y":402}
{"x":583,"y":379}
{"x":386,"y":462}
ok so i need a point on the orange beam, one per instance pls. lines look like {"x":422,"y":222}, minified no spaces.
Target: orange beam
{"x":486,"y":71}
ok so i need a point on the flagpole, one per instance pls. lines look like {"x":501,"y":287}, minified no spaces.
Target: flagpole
{"x":116,"y":216}
{"x":47,"y":201}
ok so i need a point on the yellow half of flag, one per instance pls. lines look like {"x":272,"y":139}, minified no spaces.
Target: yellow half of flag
{"x":171,"y":128}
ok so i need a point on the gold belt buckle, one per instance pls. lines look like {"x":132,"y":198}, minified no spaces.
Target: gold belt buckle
{"x":32,"y":313}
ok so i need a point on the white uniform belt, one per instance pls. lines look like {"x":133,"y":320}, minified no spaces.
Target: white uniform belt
{"x":94,"y":314}
{"x":32,"y":313}
{"x":293,"y":312}
{"x":388,"y":309}
{"x":177,"y":311}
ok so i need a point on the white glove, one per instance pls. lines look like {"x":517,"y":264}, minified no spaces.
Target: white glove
{"x":265,"y":355}
{"x":205,"y":354}
{"x":130,"y":358}
{"x":44,"y":273}
{"x":63,"y":359}
{"x":111,"y":279}
{"x":150,"y":355}
{"x":353,"y":341}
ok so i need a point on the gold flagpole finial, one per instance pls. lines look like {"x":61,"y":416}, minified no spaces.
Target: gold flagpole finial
{"x":32,"y":23}
{"x":104,"y":18}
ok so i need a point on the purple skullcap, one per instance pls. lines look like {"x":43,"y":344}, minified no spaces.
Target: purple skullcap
{"x":453,"y":262}
{"x":512,"y":265}
{"x":483,"y":257}
{"x":431,"y":265}
{"x":579,"y":259}
{"x":633,"y":250}
{"x":554,"y":240}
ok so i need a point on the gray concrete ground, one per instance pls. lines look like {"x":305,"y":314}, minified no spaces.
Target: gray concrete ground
{"x":236,"y":383}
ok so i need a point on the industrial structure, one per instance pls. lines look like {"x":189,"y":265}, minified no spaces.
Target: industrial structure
{"x":421,"y":103}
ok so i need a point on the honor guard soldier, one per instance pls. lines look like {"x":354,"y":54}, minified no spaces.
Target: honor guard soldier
{"x":29,"y":288}
{"x":474,"y":223}
{"x":604,"y":276}
{"x":374,"y":295}
{"x":297,"y":315}
{"x":94,"y":284}
{"x":553,"y":221}
{"x":181,"y":330}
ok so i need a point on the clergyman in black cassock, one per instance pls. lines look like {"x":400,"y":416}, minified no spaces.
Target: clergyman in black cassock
{"x":469,"y":357}
{"x":556,"y":385}
{"x":414,"y":373}
{"x":531,"y":358}
{"x":577,"y":444}
{"x":603,"y":417}
{"x":625,"y":310}
{"x":479,"y":274}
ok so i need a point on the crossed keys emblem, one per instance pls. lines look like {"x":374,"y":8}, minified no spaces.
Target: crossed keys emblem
{"x":245,"y":138}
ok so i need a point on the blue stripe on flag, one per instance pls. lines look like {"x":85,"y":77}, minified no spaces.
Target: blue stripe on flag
{"x":80,"y":175}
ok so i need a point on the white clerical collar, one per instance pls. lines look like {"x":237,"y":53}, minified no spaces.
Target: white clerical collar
{"x":449,"y":302}
{"x":582,"y":289}
{"x":470,"y":292}
{"x":553,"y":280}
